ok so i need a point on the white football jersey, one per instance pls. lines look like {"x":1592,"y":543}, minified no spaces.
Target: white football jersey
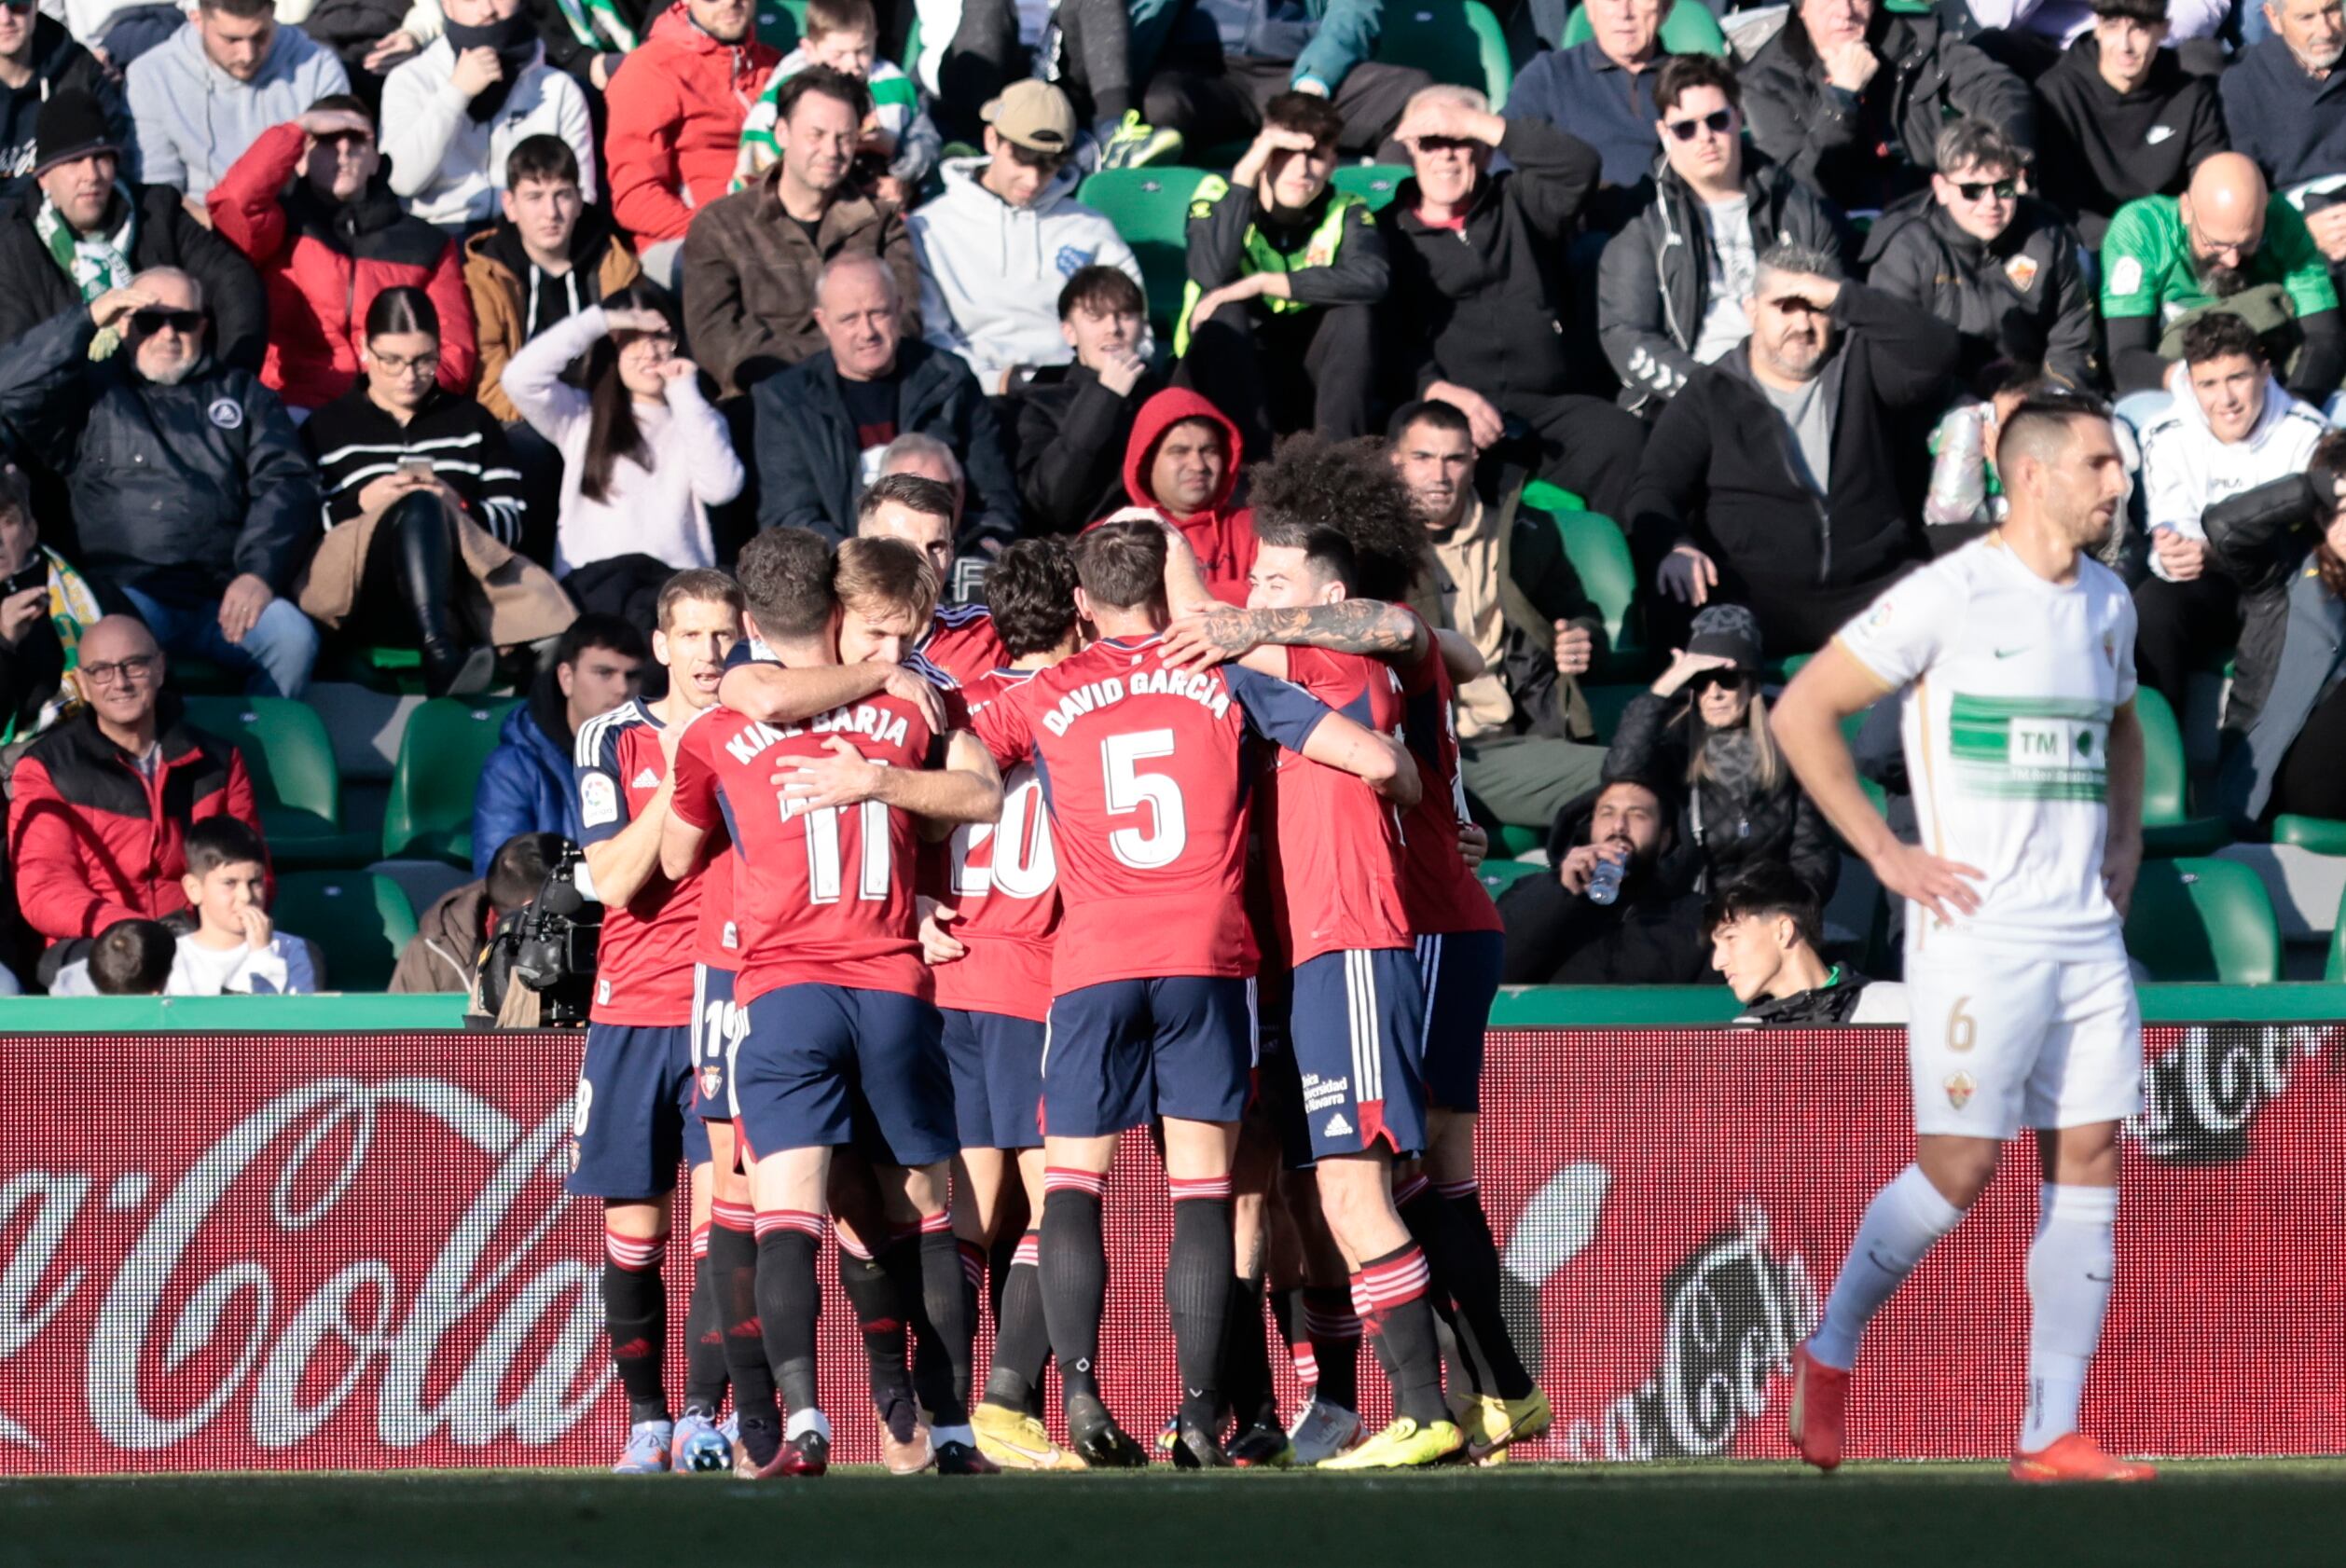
{"x":2010,"y":684}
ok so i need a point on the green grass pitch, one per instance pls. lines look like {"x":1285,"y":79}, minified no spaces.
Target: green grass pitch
{"x":2210,"y":1515}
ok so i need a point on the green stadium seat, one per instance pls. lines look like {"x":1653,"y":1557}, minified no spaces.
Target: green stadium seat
{"x":1540,"y":496}
{"x":2206,"y":921}
{"x":1498,"y":875}
{"x":1512,"y":839}
{"x":2335,"y":969}
{"x":1374,"y":183}
{"x":430,"y":812}
{"x":294,"y":775}
{"x":1600,"y":556}
{"x":2320,"y":835}
{"x":1457,"y":41}
{"x":1150,"y":208}
{"x":1607,"y":703}
{"x":2168,"y":826}
{"x":1689,"y":29}
{"x":358,"y":920}
{"x":780,"y":24}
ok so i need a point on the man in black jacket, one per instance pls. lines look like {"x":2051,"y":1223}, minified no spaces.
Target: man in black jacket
{"x":1718,"y":205}
{"x":1277,"y":327}
{"x":39,"y":63}
{"x":822,"y":425}
{"x":1765,"y":929}
{"x":191,"y":497}
{"x":1474,"y":317}
{"x":78,"y":228}
{"x":1075,"y":422}
{"x":2119,"y":117}
{"x":1563,"y":930}
{"x":1779,"y":477}
{"x":2001,"y":267}
{"x":1850,"y":99}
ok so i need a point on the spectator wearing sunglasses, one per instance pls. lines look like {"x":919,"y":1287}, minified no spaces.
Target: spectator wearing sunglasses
{"x":998,"y":246}
{"x":78,"y":228}
{"x":751,"y":261}
{"x":1672,"y":289}
{"x":1704,"y":721}
{"x":191,"y":497}
{"x":100,"y":806}
{"x":2002,"y":268}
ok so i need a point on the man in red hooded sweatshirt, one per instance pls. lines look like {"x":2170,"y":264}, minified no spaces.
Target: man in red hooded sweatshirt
{"x":677,"y":104}
{"x":1182,"y":465}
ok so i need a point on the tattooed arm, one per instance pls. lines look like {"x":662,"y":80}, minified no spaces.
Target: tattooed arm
{"x":1353,"y":625}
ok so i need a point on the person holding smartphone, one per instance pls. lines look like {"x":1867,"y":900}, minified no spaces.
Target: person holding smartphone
{"x":44,"y":605}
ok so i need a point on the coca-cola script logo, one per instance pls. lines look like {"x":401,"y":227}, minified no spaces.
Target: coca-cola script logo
{"x":240,"y":1282}
{"x":2201,"y":1098}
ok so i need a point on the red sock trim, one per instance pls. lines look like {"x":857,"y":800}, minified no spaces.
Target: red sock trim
{"x":1197,"y":1188}
{"x":732,"y":1217}
{"x":1411,"y":1189}
{"x":1332,"y":1325}
{"x":932,"y":1223}
{"x":1061,"y":1178}
{"x":700,"y":1243}
{"x":1456,"y":1189}
{"x":973,"y":1262}
{"x":770,"y":1222}
{"x":635,"y":1254}
{"x":1390,"y":1281}
{"x":1306,"y":1364}
{"x":1028,"y":1253}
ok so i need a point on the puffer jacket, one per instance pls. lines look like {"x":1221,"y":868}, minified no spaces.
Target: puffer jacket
{"x":1836,"y":1001}
{"x":1727,"y":828}
{"x":1863,"y":151}
{"x":990,"y":274}
{"x":93,"y":840}
{"x":1653,"y":287}
{"x":677,"y":104}
{"x":324,"y":263}
{"x":2024,"y":296}
{"x":528,"y":784}
{"x":175,"y":489}
{"x":2291,"y":639}
{"x":1221,"y":534}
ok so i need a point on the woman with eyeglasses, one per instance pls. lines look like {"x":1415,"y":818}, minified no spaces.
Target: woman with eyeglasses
{"x":644,"y":453}
{"x":424,"y":506}
{"x":1704,"y":719}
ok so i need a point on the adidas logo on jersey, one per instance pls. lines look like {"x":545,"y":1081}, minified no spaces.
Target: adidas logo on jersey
{"x":1337,"y":1127}
{"x":647,"y":780}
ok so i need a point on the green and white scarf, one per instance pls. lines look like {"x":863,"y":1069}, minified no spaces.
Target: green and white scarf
{"x":95,"y":263}
{"x":596,"y":24}
{"x":72,"y":610}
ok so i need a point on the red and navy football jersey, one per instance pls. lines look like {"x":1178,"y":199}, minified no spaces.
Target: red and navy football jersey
{"x":819,"y":897}
{"x":644,"y":969}
{"x":964,"y":644}
{"x":1443,"y":896}
{"x":1004,"y":881}
{"x":1333,"y":853}
{"x":1146,"y":774}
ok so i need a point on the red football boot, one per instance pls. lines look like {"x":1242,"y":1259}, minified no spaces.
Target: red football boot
{"x":1820,"y":1396}
{"x":2073,"y":1456}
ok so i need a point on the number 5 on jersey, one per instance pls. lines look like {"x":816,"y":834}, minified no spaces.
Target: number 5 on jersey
{"x":1129,"y":789}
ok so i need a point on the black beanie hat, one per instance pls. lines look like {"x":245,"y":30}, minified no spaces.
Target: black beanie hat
{"x":72,"y":125}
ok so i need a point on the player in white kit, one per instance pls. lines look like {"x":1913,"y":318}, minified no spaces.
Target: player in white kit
{"x":2016,"y":655}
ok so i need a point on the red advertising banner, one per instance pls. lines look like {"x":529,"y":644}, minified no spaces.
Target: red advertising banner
{"x":353,"y":1252}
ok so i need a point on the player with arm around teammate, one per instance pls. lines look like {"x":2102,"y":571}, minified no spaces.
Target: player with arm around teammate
{"x":2015,"y":654}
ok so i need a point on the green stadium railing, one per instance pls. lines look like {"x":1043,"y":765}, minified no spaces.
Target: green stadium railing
{"x":1519,"y":1007}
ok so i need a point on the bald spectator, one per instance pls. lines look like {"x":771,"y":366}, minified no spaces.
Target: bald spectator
{"x":751,"y":262}
{"x":1852,"y":98}
{"x":823,"y":426}
{"x":2285,"y":103}
{"x":2119,"y":117}
{"x":2226,"y":240}
{"x":1602,"y":92}
{"x":101,"y":804}
{"x":203,"y":96}
{"x":191,"y":497}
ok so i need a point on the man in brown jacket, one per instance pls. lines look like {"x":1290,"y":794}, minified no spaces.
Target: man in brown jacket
{"x":444,"y":955}
{"x":551,"y":257}
{"x":751,"y":261}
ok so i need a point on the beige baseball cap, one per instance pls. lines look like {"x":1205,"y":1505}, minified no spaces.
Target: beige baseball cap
{"x":1035,"y":115}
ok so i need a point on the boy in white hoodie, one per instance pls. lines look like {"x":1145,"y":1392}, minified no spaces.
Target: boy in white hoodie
{"x":233,"y":950}
{"x":999,"y":245}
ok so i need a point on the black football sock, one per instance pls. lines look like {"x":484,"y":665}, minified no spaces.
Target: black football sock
{"x":1074,"y":1276}
{"x":635,"y":1313}
{"x":1389,"y":1294}
{"x":1245,"y":1358}
{"x":705,"y":1376}
{"x":732,"y":1271}
{"x":1333,"y":1329}
{"x":788,"y":1299}
{"x":1000,"y":1260}
{"x":1456,"y":1235}
{"x":881,"y":1320}
{"x":1022,"y":1342}
{"x":1197,"y":1276}
{"x":951,"y":1298}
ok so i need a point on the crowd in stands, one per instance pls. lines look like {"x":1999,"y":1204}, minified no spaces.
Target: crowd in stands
{"x":459,"y":327}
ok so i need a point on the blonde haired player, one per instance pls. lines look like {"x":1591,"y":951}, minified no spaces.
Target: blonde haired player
{"x":2016,"y":654}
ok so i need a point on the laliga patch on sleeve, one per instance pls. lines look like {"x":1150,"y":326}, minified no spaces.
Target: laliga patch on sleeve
{"x":598,"y":799}
{"x":2126,"y":276}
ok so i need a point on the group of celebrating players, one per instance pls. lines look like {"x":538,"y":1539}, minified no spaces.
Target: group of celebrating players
{"x":913,"y":911}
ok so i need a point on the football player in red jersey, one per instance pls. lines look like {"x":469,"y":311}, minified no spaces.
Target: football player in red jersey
{"x":1455,"y":926}
{"x":635,"y":1115}
{"x":922,"y":513}
{"x":989,"y":935}
{"x":1150,"y":1012}
{"x":842,"y":1041}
